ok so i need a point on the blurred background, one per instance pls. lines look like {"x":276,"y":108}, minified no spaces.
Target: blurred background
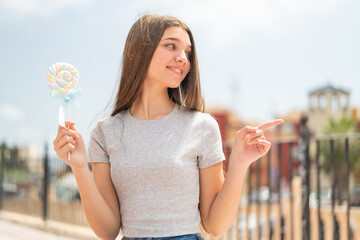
{"x":259,"y":60}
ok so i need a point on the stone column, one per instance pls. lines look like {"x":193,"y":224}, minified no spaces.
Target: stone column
{"x":355,"y":215}
{"x":341,"y":217}
{"x":327,"y":219}
{"x":296,"y":188}
{"x":314,"y":224}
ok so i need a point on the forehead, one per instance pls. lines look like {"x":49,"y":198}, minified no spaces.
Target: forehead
{"x":178,"y":33}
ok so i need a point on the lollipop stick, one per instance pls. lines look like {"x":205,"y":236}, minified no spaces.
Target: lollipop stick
{"x":67,"y":118}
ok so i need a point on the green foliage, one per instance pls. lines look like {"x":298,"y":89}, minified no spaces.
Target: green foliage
{"x":344,"y":125}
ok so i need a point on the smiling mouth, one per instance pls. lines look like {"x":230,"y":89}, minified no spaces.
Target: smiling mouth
{"x":175,"y":70}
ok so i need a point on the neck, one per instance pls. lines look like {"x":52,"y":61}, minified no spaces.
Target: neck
{"x":152,"y":104}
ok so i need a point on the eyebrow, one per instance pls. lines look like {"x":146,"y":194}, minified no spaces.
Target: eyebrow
{"x":174,"y":39}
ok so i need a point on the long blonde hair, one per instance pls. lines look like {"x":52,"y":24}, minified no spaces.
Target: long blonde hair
{"x":142,"y":40}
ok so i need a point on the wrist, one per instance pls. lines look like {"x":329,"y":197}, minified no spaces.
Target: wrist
{"x":238,"y":163}
{"x":80,"y":168}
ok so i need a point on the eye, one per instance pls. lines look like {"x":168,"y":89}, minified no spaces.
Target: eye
{"x":171,"y":46}
{"x":188,"y":55}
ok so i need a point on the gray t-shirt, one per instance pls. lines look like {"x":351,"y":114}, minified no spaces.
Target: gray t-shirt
{"x":155,"y":168}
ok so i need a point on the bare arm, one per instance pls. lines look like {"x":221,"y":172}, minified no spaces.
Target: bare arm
{"x":97,"y":193}
{"x":99,"y":200}
{"x":219,"y":198}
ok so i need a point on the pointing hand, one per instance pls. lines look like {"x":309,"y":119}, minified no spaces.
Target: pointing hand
{"x":250,"y":143}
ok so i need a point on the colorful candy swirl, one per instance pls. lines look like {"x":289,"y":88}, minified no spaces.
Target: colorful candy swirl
{"x":62,"y":78}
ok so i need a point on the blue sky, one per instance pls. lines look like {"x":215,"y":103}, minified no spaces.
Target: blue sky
{"x":259,"y":58}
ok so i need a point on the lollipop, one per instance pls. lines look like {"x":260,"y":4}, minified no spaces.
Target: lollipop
{"x":63,"y":80}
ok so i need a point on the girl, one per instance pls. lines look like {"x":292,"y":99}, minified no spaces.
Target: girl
{"x":157,"y":160}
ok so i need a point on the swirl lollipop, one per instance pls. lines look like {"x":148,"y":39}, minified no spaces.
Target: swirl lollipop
{"x":63,"y":80}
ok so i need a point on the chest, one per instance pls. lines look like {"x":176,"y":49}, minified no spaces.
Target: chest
{"x":161,"y":157}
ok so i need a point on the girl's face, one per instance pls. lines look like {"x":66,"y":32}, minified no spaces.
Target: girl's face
{"x":170,"y":63}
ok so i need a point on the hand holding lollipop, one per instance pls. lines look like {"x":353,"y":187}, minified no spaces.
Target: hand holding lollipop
{"x":63,"y":80}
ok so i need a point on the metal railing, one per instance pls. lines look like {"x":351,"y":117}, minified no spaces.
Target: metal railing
{"x":282,"y":198}
{"x":43,"y":188}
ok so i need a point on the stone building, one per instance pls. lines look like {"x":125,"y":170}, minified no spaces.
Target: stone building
{"x":327,"y":102}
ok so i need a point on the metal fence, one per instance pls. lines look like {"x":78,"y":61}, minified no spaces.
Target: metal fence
{"x":301,"y":190}
{"x":291,"y":193}
{"x":43,"y":188}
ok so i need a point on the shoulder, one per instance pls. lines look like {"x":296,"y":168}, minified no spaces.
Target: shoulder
{"x":108,"y":124}
{"x":200,"y":120}
{"x":207,"y":120}
{"x":198,"y":116}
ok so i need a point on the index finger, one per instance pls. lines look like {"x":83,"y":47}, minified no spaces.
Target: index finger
{"x":270,"y":124}
{"x":69,"y":124}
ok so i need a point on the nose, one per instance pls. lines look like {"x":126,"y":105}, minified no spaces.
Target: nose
{"x":181,"y":57}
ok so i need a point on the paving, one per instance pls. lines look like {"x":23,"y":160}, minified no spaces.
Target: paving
{"x":14,"y":231}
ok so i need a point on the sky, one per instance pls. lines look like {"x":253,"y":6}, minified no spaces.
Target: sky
{"x":258,"y":58}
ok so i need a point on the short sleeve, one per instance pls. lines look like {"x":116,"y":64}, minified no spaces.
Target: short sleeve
{"x":97,"y":146}
{"x":211,"y":145}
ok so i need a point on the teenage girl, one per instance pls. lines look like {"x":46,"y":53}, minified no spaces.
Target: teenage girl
{"x":157,"y":160}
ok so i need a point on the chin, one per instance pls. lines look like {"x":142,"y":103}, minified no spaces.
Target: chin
{"x":174,"y":84}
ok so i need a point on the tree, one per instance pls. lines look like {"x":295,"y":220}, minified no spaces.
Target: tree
{"x":344,"y":125}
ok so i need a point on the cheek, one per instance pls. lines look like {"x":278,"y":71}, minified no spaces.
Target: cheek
{"x":160,"y":55}
{"x":157,"y":57}
{"x":155,"y":64}
{"x":187,"y":70}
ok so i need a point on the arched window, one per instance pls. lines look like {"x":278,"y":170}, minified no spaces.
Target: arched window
{"x":313,"y":103}
{"x":322,"y":102}
{"x":334,"y":104}
{"x":344,"y":102}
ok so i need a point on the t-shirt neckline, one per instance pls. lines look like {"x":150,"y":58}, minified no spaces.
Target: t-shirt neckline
{"x":168,"y":116}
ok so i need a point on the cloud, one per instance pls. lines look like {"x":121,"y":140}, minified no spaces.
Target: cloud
{"x":11,"y":112}
{"x":236,"y":20}
{"x":18,"y":9}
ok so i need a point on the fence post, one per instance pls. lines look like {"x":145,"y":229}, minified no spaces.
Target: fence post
{"x":291,"y":190}
{"x":320,"y":234}
{"x":2,"y":166}
{"x":45,"y":183}
{"x":304,"y":159}
{"x":348,"y":205}
{"x":268,"y":211}
{"x":333,"y":180}
{"x":280,"y":213}
{"x":257,"y":201}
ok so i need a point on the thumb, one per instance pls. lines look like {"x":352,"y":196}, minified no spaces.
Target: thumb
{"x":70,"y":125}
